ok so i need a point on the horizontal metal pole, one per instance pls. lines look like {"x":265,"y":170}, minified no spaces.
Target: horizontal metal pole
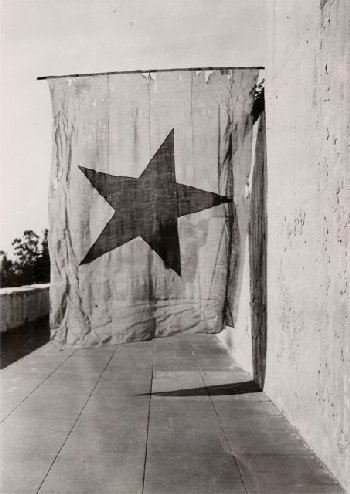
{"x":145,"y":71}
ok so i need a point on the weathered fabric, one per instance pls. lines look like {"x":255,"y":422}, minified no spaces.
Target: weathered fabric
{"x":147,"y":203}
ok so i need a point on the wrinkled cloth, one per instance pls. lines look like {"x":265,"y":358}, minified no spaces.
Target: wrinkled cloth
{"x":114,"y":282}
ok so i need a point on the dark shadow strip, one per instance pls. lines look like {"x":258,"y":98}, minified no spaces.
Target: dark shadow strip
{"x":233,"y":389}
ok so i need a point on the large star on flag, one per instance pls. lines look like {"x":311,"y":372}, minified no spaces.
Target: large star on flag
{"x":148,"y":207}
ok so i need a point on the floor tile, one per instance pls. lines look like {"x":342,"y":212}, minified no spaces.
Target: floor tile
{"x":132,"y":360}
{"x":116,"y":374}
{"x":235,"y":390}
{"x":53,"y":407}
{"x":44,"y":360}
{"x":23,"y":376}
{"x":23,"y":471}
{"x":179,"y":364}
{"x":101,"y":402}
{"x":8,"y":403}
{"x":163,"y":487}
{"x":142,"y":346}
{"x":98,"y":473}
{"x":35,"y":414}
{"x":182,"y":352}
{"x":200,"y":411}
{"x":203,"y":340}
{"x":173,"y":396}
{"x":245,"y":414}
{"x":210,"y":352}
{"x":129,"y":413}
{"x":99,"y":351}
{"x":118,"y":420}
{"x":183,"y":414}
{"x":81,"y":375}
{"x":282,"y":469}
{"x":194,"y":442}
{"x":296,"y":488}
{"x":225,"y":377}
{"x":179,"y":375}
{"x":104,"y":436}
{"x":161,"y":343}
{"x":208,"y":364}
{"x":237,"y":393}
{"x":179,"y":381}
{"x":253,"y":422}
{"x":192,"y":474}
{"x":125,"y":389}
{"x":15,"y":389}
{"x":55,"y":389}
{"x":18,"y":436}
{"x":115,"y":377}
{"x":277,"y":442}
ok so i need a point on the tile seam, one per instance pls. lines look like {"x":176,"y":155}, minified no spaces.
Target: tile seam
{"x":38,"y":386}
{"x":221,"y":426}
{"x":148,"y":422}
{"x":75,"y":422}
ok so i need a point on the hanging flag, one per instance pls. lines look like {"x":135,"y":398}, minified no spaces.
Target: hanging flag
{"x":147,"y":202}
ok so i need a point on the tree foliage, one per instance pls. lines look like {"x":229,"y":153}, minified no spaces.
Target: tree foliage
{"x":31,"y":264}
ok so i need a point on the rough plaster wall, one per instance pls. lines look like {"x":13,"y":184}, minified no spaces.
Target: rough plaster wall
{"x":308,"y":145}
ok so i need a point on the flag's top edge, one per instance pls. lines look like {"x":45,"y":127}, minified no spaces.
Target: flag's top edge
{"x":146,"y":71}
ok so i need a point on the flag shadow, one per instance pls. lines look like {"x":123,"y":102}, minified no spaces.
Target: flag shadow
{"x":239,"y":388}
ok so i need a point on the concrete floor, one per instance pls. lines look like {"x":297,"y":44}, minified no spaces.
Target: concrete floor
{"x":168,"y":416}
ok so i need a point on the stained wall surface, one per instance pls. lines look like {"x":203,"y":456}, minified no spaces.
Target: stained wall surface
{"x":308,"y":207}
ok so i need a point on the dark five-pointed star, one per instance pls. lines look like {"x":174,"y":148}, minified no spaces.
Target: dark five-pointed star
{"x":148,"y":207}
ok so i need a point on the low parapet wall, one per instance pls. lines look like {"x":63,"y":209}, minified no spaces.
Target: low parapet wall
{"x":19,"y":305}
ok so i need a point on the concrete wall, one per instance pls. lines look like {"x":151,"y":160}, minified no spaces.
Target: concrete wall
{"x":308,"y":207}
{"x":308,"y":227}
{"x":23,"y":304}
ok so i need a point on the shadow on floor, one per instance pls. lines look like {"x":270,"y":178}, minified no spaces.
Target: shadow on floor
{"x":214,"y":390}
{"x":19,"y":342}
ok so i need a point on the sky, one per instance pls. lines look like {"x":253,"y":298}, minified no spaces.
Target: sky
{"x":55,"y":37}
